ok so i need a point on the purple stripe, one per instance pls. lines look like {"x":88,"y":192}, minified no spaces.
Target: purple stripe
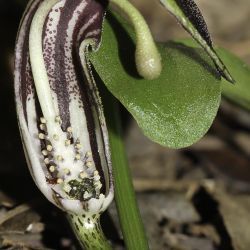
{"x":62,"y":72}
{"x":26,"y":87}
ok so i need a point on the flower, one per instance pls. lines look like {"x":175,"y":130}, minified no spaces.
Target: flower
{"x":59,"y":110}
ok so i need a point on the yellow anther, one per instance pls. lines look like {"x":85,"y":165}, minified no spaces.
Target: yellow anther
{"x":96,"y":173}
{"x":43,"y":120}
{"x":44,"y":152}
{"x":59,"y":181}
{"x":69,"y":129}
{"x":66,"y":171}
{"x":86,"y":195}
{"x":89,"y":164}
{"x":46,"y":160}
{"x":42,"y":126}
{"x":98,"y":185}
{"x":67,"y":188}
{"x":52,"y":169}
{"x":78,"y":157}
{"x":97,"y":177}
{"x":101,"y":196}
{"x":49,"y":148}
{"x":88,"y":154}
{"x":78,"y":146}
{"x":67,"y":142}
{"x":83,"y":175}
{"x":41,"y":136}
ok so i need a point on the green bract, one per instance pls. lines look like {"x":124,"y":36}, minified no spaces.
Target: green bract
{"x":174,"y":110}
{"x":189,"y":16}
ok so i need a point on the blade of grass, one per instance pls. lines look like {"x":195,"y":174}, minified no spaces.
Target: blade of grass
{"x":128,"y":211}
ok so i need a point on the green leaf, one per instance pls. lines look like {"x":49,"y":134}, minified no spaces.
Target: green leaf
{"x":174,"y":110}
{"x":239,"y":93}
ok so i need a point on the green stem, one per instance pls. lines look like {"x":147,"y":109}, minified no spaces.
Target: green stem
{"x":147,"y":57}
{"x":88,"y":232}
{"x":128,"y":211}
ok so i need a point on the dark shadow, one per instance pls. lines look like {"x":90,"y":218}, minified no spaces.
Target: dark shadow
{"x":226,"y":116}
{"x":126,"y":46}
{"x":15,"y":179}
{"x":16,"y":182}
{"x":207,"y":207}
{"x":104,"y":3}
{"x":109,"y":229}
{"x":200,"y":58}
{"x":105,"y":94}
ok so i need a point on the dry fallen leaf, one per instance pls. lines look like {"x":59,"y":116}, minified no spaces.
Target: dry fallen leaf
{"x":235,"y":210}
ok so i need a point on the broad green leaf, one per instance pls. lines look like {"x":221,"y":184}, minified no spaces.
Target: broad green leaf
{"x":239,"y":92}
{"x":174,"y":110}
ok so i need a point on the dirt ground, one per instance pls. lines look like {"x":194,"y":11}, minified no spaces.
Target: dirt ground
{"x":197,"y":198}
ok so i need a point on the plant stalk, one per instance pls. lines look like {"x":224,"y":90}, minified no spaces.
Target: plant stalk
{"x":92,"y":238}
{"x":128,"y":211}
{"x":88,"y":232}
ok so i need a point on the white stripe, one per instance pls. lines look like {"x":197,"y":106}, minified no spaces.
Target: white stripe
{"x":85,"y":26}
{"x":37,"y":62}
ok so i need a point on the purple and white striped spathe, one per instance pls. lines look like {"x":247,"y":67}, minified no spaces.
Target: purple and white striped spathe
{"x":71,"y":166}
